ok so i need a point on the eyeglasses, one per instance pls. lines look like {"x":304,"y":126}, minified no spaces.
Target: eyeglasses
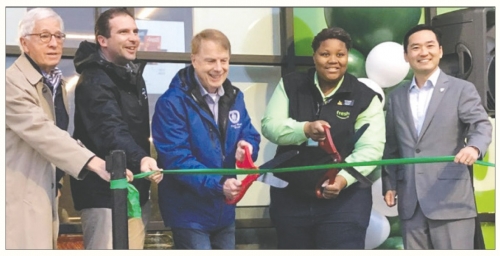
{"x":45,"y":37}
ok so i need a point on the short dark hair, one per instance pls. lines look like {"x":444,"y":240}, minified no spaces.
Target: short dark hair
{"x":332,"y":33}
{"x":418,"y":28}
{"x":102,"y":23}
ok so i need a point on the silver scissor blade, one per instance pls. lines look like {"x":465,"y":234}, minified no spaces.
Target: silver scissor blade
{"x":353,"y":172}
{"x":365,"y":182}
{"x":272,"y":180}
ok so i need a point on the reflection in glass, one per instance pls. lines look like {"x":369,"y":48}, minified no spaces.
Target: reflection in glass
{"x":78,"y":24}
{"x":157,"y":77}
{"x":161,"y":36}
{"x":165,"y":29}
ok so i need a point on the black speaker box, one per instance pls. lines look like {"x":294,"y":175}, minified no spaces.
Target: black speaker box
{"x":468,"y":40}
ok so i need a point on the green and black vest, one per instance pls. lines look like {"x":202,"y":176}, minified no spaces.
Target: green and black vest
{"x":340,"y":111}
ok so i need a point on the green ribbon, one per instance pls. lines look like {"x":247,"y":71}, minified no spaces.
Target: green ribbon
{"x":133,"y":203}
{"x":134,"y":207}
{"x":119,"y":184}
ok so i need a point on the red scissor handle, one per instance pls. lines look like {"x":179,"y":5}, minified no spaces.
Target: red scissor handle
{"x":247,"y":163}
{"x":328,"y":146}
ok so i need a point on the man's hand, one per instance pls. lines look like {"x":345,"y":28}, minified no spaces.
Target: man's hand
{"x":390,"y":198}
{"x":332,"y":191}
{"x":467,"y":155}
{"x":315,"y":131}
{"x":129,"y":175}
{"x":240,"y":150}
{"x":149,"y":164}
{"x":98,"y":166}
{"x":231,"y":188}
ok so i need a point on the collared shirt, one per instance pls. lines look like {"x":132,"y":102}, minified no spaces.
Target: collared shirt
{"x":53,"y":80}
{"x":212,"y":99}
{"x":279,"y":128}
{"x":420,"y":98}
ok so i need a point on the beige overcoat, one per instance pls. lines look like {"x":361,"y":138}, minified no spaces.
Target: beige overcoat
{"x":34,"y":145}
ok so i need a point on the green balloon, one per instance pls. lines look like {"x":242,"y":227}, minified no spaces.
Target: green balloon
{"x":388,"y":90}
{"x":392,"y":220}
{"x":356,"y":64}
{"x":395,"y":224}
{"x":370,"y":26}
{"x":409,"y":76}
{"x":303,"y":37}
{"x":394,"y":242}
{"x":395,"y":228}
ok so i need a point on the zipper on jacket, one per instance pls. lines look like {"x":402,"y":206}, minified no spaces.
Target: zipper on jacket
{"x":224,"y":120}
{"x":320,"y":105}
{"x":140,"y":87}
{"x":223,"y":141}
{"x":193,"y":92}
{"x":212,"y":139}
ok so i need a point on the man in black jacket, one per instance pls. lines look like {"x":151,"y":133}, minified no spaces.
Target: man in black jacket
{"x":111,"y":113}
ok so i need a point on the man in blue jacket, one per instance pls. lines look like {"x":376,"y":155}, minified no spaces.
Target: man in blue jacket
{"x":201,"y":122}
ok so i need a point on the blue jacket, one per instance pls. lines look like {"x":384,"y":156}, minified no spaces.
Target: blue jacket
{"x":186,"y":136}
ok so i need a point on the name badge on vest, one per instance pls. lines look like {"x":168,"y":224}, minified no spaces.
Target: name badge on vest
{"x":312,"y":143}
{"x":349,"y":103}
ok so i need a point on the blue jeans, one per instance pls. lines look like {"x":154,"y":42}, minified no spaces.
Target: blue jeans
{"x":223,"y":238}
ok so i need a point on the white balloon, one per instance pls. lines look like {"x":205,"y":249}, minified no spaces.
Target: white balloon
{"x":374,"y":86}
{"x":385,"y":64}
{"x":378,"y":230}
{"x":378,"y":201}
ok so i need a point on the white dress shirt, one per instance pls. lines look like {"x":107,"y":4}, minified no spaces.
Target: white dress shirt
{"x":420,"y":98}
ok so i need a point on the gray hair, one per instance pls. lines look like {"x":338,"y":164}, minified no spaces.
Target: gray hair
{"x":29,"y":19}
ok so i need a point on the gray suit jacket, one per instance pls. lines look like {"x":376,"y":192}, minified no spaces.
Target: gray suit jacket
{"x":455,"y":118}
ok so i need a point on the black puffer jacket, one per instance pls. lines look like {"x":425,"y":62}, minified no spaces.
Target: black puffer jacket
{"x":111,"y":113}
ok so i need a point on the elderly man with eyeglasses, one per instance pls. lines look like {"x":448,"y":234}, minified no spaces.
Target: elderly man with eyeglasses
{"x":35,"y":137}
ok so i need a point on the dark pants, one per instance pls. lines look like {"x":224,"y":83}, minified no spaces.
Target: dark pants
{"x":303,"y":222}
{"x":223,"y":238}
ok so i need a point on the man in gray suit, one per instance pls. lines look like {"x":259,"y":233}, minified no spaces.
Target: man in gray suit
{"x":434,"y":115}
